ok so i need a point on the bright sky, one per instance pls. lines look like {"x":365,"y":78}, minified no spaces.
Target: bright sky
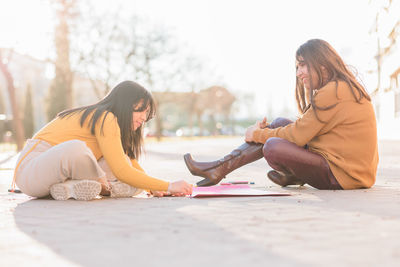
{"x":250,"y":43}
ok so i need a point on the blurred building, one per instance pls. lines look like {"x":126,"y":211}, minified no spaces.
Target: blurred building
{"x":206,"y":112}
{"x":209,"y":110}
{"x":28,"y":71}
{"x":387,"y":95}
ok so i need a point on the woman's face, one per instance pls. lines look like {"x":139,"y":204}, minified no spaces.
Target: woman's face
{"x":304,"y":75}
{"x":139,"y":117}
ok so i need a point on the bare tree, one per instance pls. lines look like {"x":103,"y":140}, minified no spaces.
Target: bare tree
{"x":61,"y":94}
{"x":17,"y":122}
{"x":108,"y":47}
{"x":28,"y":120}
{"x":116,"y":48}
{"x":99,"y":48}
{"x":153,"y":48}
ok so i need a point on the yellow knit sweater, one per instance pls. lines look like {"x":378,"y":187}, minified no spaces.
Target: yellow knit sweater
{"x":105,"y":143}
{"x":347,"y":137}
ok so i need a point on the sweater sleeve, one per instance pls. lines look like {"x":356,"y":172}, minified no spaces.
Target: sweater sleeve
{"x":305,"y":128}
{"x":136,"y":165}
{"x":109,"y":140}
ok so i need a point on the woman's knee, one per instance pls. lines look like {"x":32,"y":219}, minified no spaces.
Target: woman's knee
{"x":271,"y":147}
{"x":280,"y":122}
{"x":76,"y":150}
{"x":74,"y":145}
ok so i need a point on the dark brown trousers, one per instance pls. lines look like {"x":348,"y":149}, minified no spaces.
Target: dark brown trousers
{"x":289,"y":158}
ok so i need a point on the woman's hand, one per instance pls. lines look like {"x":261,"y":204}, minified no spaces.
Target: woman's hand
{"x":105,"y":186}
{"x":180,"y":188}
{"x":262,"y":124}
{"x":250,"y":131}
{"x":160,"y":193}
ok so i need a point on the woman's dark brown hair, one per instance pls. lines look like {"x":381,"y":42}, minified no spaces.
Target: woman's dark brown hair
{"x":120,"y":101}
{"x":318,"y":54}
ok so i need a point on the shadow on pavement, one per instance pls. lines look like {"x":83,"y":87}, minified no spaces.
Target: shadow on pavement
{"x":129,"y":232}
{"x":376,"y":201}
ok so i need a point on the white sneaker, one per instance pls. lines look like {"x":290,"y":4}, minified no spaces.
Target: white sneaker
{"x":119,"y":189}
{"x":77,"y":189}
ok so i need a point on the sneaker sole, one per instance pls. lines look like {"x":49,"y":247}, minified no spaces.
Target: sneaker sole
{"x":119,"y":189}
{"x":79,"y":190}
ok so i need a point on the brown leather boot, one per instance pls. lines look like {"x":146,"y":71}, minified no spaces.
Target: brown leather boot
{"x":283,"y":179}
{"x":215,"y":171}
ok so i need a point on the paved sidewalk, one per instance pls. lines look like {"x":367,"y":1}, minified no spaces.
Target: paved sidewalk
{"x":309,"y":228}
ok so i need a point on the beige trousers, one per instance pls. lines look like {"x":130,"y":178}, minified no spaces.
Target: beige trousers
{"x":46,"y":165}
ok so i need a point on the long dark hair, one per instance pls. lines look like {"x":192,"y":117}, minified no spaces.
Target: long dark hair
{"x":316,"y":54}
{"x":120,"y":101}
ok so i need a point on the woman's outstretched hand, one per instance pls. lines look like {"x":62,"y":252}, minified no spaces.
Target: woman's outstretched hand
{"x":160,"y":193}
{"x":180,"y":188}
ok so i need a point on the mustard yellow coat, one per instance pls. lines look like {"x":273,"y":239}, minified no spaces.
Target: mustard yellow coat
{"x":347,"y":137}
{"x":105,"y":143}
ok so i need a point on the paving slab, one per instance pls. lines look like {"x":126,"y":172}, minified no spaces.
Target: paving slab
{"x":309,"y":228}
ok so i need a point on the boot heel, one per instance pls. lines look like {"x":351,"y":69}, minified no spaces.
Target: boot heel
{"x":188,"y":161}
{"x":205,"y":182}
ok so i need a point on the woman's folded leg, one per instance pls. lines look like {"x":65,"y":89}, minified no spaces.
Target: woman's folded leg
{"x":299,"y":164}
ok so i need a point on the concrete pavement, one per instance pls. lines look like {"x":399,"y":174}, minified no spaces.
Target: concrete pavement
{"x":309,"y":228}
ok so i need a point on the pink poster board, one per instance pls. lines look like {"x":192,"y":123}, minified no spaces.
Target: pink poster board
{"x":232,"y":190}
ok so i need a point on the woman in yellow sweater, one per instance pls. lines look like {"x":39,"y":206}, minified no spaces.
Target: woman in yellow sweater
{"x":332,"y":145}
{"x":93,"y":149}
